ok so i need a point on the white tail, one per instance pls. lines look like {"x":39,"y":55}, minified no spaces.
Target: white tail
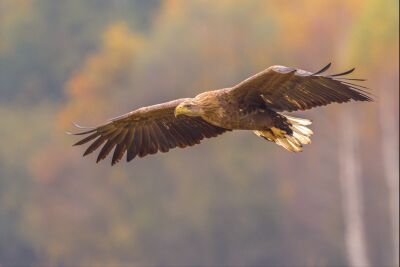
{"x":294,"y":142}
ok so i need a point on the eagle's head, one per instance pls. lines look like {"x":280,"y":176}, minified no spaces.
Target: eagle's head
{"x":189,"y":107}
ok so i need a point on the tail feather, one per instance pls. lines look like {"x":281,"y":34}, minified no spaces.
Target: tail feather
{"x":299,"y":121}
{"x":294,"y":141}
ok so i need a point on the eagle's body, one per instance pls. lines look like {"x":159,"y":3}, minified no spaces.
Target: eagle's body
{"x":220,"y":109}
{"x":254,"y":104}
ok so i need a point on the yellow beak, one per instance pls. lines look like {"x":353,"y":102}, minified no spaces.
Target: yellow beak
{"x":180,"y":110}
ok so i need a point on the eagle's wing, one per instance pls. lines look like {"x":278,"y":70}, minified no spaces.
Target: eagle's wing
{"x":146,"y":131}
{"x":289,"y":89}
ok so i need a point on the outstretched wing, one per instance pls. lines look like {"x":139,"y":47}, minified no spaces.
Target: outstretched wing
{"x":146,"y":131}
{"x":289,"y":89}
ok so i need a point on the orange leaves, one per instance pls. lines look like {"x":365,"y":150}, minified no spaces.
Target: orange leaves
{"x":102,"y":75}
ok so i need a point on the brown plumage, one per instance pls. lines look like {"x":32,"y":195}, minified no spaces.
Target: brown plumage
{"x":253,"y":104}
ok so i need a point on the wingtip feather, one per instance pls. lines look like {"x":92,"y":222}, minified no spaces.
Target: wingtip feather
{"x":81,"y":127}
{"x":323,"y":69}
{"x":343,"y":73}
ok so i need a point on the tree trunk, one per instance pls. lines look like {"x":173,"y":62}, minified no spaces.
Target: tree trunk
{"x":390,"y":150}
{"x":351,"y":187}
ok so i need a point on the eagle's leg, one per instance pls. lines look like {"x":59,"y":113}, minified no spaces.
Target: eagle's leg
{"x":289,"y":132}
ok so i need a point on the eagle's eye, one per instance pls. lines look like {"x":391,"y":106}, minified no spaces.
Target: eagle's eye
{"x":188,"y":105}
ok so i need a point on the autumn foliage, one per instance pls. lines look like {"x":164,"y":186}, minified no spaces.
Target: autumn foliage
{"x":236,"y":200}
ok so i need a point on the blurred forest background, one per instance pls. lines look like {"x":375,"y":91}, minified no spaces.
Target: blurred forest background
{"x":232,"y":201}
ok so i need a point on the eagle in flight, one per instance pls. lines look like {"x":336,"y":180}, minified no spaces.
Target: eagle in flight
{"x":255,"y":104}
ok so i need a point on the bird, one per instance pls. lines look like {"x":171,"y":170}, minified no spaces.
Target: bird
{"x":256,"y":104}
